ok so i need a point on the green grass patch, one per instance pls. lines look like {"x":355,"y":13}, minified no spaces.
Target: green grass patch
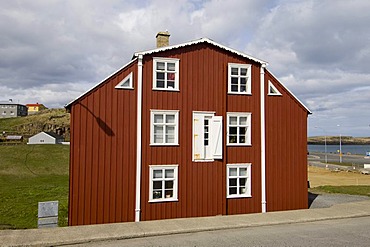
{"x":362,"y":190}
{"x":30,"y":174}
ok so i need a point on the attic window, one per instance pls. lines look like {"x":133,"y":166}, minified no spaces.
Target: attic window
{"x":273,"y":90}
{"x":166,"y":74}
{"x":126,"y":83}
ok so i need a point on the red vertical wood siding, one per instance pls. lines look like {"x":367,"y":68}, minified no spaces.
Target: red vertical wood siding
{"x":203,"y":87}
{"x":103,"y":143}
{"x":103,"y":154}
{"x":286,"y":151}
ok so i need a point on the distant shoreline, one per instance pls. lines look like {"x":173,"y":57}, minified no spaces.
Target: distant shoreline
{"x":334,"y":140}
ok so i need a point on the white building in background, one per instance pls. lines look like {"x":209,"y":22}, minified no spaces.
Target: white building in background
{"x":46,"y":138}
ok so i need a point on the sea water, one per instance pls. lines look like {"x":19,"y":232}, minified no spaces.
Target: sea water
{"x":353,"y":149}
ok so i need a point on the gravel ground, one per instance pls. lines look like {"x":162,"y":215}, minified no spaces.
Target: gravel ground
{"x":328,"y":200}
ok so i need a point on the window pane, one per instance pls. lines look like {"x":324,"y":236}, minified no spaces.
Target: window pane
{"x":158,"y":130}
{"x":126,"y":83}
{"x":233,"y":172}
{"x":232,"y":182}
{"x":232,"y":191}
{"x":242,"y":171}
{"x":243,"y":89}
{"x":158,"y":138}
{"x":170,"y":130}
{"x":170,"y":139}
{"x":242,"y":182}
{"x":158,"y":118}
{"x":234,"y":71}
{"x":157,"y":194}
{"x":241,"y":139}
{"x":160,"y":76}
{"x":168,"y":185}
{"x":232,"y":139}
{"x":160,"y":84}
{"x":234,"y":88}
{"x":157,"y":185}
{"x":243,"y":81}
{"x":233,"y":130}
{"x":170,"y":84}
{"x":170,"y":118}
{"x":233,"y":120}
{"x":234,"y":81}
{"x":243,"y":71}
{"x":169,"y":173}
{"x":242,"y":130}
{"x":160,"y":66}
{"x":171,"y":76}
{"x":157,"y":174}
{"x":243,"y":120}
{"x":171,"y":66}
{"x":169,"y":193}
{"x":242,"y":190}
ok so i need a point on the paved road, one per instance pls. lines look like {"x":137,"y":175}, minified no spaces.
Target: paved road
{"x":344,"y":232}
{"x":352,"y":159}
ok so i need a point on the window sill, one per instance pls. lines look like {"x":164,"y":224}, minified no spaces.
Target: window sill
{"x":164,"y":200}
{"x":240,"y":93}
{"x":204,"y":160}
{"x":166,"y":89}
{"x":238,"y":145}
{"x":239,"y":196}
{"x":164,"y":145}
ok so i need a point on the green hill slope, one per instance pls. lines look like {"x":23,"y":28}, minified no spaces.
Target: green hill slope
{"x":54,"y":120}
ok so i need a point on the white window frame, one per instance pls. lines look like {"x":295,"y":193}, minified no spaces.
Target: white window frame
{"x":248,"y":184}
{"x":214,"y":148}
{"x":130,"y":85}
{"x":164,"y":113}
{"x":271,"y":86}
{"x":175,"y":180}
{"x":177,"y":73}
{"x":248,"y":134}
{"x":248,"y":67}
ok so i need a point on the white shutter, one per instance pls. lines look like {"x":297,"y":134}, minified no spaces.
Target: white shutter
{"x":216,"y":137}
{"x":198,"y":136}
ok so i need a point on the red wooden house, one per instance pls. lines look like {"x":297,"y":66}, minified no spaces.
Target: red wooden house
{"x":195,"y":129}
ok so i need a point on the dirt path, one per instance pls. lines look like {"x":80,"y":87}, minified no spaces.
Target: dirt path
{"x":320,"y":176}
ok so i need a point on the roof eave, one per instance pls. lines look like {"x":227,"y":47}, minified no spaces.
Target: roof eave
{"x":68,"y":106}
{"x":300,"y":102}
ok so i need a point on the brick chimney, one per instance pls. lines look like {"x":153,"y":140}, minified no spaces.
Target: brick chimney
{"x":163,"y":39}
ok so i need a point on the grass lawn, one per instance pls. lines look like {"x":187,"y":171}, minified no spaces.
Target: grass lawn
{"x":362,"y":190}
{"x":30,"y":174}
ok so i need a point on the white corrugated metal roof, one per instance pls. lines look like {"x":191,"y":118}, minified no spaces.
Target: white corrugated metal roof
{"x":198,"y":41}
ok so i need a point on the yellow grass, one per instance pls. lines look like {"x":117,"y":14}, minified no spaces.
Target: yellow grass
{"x":321,"y":176}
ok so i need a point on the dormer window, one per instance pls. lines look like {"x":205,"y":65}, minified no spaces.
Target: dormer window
{"x":126,"y":83}
{"x":272,"y":90}
{"x":166,"y":74}
{"x":239,"y":78}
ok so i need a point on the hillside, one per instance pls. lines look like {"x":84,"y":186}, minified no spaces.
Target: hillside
{"x":346,"y":140}
{"x":54,"y":120}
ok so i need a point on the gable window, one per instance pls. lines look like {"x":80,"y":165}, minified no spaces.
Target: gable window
{"x":207,"y":136}
{"x":164,"y":127}
{"x":126,"y":83}
{"x":238,"y":180}
{"x":238,"y":128}
{"x":166,"y":74}
{"x":239,"y":78}
{"x":272,"y":90}
{"x":163,"y":183}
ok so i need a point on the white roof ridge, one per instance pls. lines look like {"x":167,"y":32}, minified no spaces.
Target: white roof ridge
{"x":198,"y":41}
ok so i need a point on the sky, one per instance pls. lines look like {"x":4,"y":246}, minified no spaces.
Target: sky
{"x":52,"y":51}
